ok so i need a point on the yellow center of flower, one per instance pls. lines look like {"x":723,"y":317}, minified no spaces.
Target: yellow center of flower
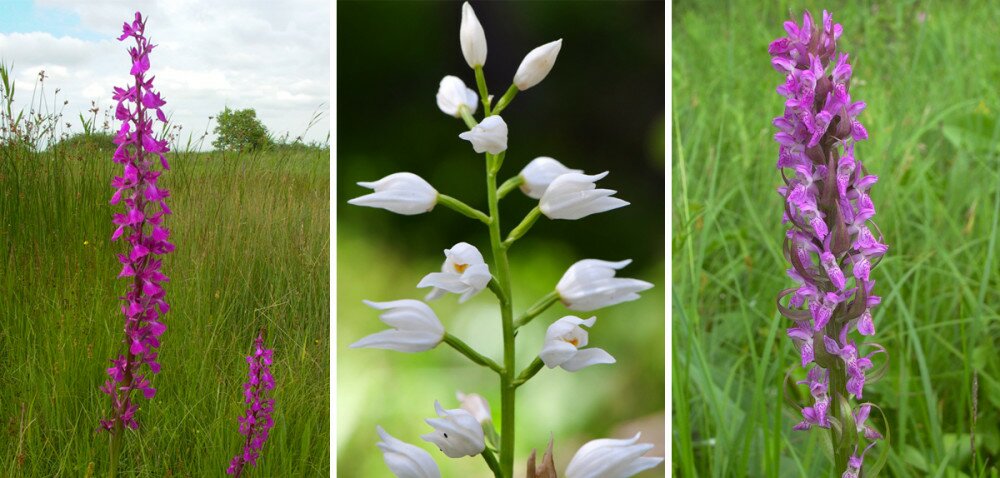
{"x":573,"y":341}
{"x":460,"y":268}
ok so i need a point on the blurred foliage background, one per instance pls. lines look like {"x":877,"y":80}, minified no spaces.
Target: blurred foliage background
{"x":600,"y":109}
{"x":929,"y":73}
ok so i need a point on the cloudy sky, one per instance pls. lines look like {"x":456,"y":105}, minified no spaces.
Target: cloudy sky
{"x":270,"y":56}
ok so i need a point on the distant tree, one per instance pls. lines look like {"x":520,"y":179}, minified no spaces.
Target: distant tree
{"x":239,"y":130}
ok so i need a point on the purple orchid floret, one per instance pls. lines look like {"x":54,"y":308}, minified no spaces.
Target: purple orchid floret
{"x":830,"y":242}
{"x":256,"y":422}
{"x":141,"y":227}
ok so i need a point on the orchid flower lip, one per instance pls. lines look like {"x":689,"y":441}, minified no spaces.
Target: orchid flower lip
{"x":564,"y":342}
{"x":463,"y":272}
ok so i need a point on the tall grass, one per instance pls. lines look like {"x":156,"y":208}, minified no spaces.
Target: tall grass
{"x":929,"y":73}
{"x":252,"y":237}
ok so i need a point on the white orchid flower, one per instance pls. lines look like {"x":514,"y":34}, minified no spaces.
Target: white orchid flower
{"x":415,"y":327}
{"x":453,"y":94}
{"x":405,"y":460}
{"x":489,"y":136}
{"x":464,"y":272}
{"x":536,"y":65}
{"x":472,"y":37}
{"x":610,"y":458}
{"x":401,"y":193}
{"x":564,"y":342}
{"x":574,"y":196}
{"x":457,"y":433}
{"x":591,"y":284}
{"x":476,"y":405}
{"x":539,"y":174}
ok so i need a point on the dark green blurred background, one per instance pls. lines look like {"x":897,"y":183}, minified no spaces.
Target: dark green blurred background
{"x":601,"y":108}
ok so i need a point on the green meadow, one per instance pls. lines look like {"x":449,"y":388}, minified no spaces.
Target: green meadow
{"x":930,"y":74}
{"x":252,"y":238}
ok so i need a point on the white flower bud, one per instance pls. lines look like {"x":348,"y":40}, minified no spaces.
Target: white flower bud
{"x":610,"y":458}
{"x":536,"y":65}
{"x":489,"y":136}
{"x":590,"y":284}
{"x":472,"y":37}
{"x":476,"y":405}
{"x":539,"y":173}
{"x":464,"y":272}
{"x":564,"y":341}
{"x":456,"y":432}
{"x":405,"y":460}
{"x":452,"y":93}
{"x":401,"y":193}
{"x":574,"y":196}
{"x":415,"y":327}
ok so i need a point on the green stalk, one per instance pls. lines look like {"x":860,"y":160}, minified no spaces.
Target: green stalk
{"x":537,"y":308}
{"x":510,"y":185}
{"x":469,"y":352}
{"x":530,"y":371}
{"x":506,"y":99}
{"x":116,"y":448}
{"x":842,"y":448}
{"x":502,"y":270}
{"x":462,"y":208}
{"x":491,"y":461}
{"x":484,"y":95}
{"x":523,"y":228}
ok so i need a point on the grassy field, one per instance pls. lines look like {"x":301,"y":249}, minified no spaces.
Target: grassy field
{"x":929,"y":73}
{"x":252,"y":237}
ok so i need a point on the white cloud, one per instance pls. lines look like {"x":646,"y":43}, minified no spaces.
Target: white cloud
{"x":270,"y":56}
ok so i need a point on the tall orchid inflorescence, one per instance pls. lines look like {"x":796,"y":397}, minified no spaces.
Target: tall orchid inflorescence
{"x":141,"y":226}
{"x":590,"y":284}
{"x":256,"y":422}
{"x":830,"y":243}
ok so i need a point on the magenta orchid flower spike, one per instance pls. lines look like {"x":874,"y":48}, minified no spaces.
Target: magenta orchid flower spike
{"x":256,"y":422}
{"x":141,"y":227}
{"x":830,"y":242}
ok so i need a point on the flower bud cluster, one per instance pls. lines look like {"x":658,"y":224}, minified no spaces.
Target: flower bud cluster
{"x":830,"y":242}
{"x":141,"y":226}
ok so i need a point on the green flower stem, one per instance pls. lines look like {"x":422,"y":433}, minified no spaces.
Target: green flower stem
{"x":840,"y":439}
{"x":502,"y":270}
{"x":484,"y":94}
{"x":509,"y":185}
{"x":506,"y":99}
{"x":469,"y":352}
{"x":462,"y":208}
{"x":523,"y":228}
{"x":529,"y":372}
{"x":497,"y":290}
{"x":116,"y":448}
{"x":537,"y":309}
{"x":491,"y":461}
{"x":467,"y":116}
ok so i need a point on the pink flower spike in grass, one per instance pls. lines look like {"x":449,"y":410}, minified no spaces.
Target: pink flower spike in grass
{"x":256,"y":422}
{"x":141,"y":227}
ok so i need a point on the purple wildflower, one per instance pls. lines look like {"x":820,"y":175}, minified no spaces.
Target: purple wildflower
{"x":141,"y":225}
{"x":830,"y":243}
{"x":256,"y":421}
